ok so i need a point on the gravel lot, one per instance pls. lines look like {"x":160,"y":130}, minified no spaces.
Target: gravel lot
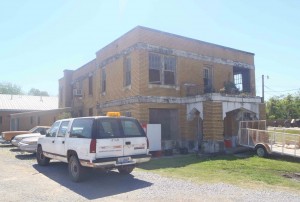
{"x":21,"y":179}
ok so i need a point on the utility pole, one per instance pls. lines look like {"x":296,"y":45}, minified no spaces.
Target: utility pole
{"x":263,"y":89}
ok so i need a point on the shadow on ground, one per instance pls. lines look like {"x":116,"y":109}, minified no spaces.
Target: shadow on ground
{"x":98,"y":184}
{"x":286,"y":158}
{"x":25,"y":156}
{"x":15,"y":149}
{"x":5,"y":145}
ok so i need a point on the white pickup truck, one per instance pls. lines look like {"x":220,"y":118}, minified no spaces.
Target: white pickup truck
{"x":105,"y":142}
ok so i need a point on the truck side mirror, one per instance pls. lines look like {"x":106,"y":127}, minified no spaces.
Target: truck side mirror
{"x":43,"y":132}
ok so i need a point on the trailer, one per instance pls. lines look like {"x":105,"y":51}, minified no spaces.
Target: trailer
{"x":253,"y":134}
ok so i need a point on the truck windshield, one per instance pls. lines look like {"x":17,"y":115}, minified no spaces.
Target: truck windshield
{"x":118,"y":127}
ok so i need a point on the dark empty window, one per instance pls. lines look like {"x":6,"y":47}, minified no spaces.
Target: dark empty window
{"x":103,"y":80}
{"x":90,"y":111}
{"x":127,"y":71}
{"x":207,"y":80}
{"x":162,"y":69}
{"x":91,"y":85}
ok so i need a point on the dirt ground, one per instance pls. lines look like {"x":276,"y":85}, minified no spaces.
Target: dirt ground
{"x":21,"y":179}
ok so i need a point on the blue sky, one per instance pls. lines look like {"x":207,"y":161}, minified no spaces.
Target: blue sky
{"x":39,"y":39}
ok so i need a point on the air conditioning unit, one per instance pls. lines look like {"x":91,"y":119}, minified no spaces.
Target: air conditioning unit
{"x":77,"y":92}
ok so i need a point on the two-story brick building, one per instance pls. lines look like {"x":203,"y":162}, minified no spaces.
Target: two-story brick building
{"x":181,"y":83}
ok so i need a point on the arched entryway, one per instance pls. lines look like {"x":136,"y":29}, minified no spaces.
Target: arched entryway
{"x":232,"y":119}
{"x":195,"y":118}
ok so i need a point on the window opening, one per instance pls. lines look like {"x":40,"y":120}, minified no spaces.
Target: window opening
{"x":103,"y":80}
{"x":162,"y":69}
{"x":127,"y":72}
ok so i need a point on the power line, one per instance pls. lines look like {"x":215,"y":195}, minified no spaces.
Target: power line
{"x":276,"y":91}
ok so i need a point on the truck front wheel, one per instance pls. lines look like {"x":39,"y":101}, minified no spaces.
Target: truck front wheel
{"x":41,"y":159}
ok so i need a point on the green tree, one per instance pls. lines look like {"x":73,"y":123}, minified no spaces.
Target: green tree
{"x":37,"y":92}
{"x":284,"y":107}
{"x":9,"y":88}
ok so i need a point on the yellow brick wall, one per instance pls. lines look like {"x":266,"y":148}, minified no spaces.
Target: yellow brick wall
{"x":213,"y":125}
{"x":190,"y":45}
{"x":187,"y":129}
{"x":262,"y":111}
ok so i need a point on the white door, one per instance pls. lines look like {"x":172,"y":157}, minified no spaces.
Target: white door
{"x":59,"y":141}
{"x":49,"y":140}
{"x":110,"y":141}
{"x":135,"y":141}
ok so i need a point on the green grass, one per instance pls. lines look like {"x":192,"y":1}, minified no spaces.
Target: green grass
{"x":290,"y":131}
{"x":250,"y":171}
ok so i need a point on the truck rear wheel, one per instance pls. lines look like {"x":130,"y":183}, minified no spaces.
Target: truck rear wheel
{"x":76,"y":170}
{"x":125,"y":170}
{"x":261,"y":151}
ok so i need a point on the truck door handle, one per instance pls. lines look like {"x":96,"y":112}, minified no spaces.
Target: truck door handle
{"x":127,"y":143}
{"x":52,"y":141}
{"x":63,"y":142}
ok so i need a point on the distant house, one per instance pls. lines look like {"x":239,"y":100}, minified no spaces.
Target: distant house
{"x":15,"y":104}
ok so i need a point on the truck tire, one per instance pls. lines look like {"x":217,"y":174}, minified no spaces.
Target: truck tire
{"x":41,"y":159}
{"x":125,"y":170}
{"x":76,"y":170}
{"x":261,"y":151}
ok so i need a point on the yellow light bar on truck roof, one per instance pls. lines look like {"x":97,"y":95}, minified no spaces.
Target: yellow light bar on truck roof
{"x":113,"y":114}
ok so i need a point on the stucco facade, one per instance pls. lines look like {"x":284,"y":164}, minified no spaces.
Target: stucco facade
{"x":163,"y":78}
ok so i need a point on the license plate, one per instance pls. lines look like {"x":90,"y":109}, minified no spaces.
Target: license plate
{"x":124,"y":159}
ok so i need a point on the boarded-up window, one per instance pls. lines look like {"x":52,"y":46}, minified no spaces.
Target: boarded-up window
{"x":168,"y":118}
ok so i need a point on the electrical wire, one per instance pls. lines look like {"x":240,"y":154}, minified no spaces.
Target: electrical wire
{"x":276,"y":91}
